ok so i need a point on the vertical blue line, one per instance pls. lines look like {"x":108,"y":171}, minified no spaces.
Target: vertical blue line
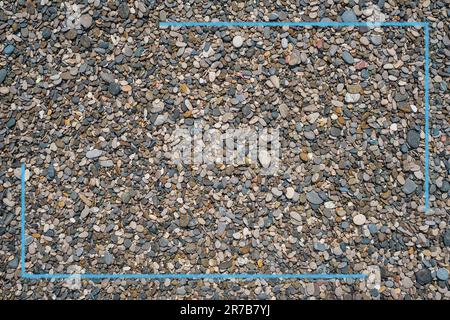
{"x":427,"y":110}
{"x":22,"y":229}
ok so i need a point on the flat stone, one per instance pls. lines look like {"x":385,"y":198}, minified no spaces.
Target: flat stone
{"x":114,"y":88}
{"x":352,"y":97}
{"x":319,"y":246}
{"x":108,"y":258}
{"x":376,"y":40}
{"x":184,"y":220}
{"x":86,"y":21}
{"x":71,"y":34}
{"x":349,"y":16}
{"x":442,"y":274}
{"x":347,"y":57}
{"x":123,"y":10}
{"x":14,"y":263}
{"x":106,"y":163}
{"x":290,"y":192}
{"x":423,"y":276}
{"x":238,"y":41}
{"x":294,"y":58}
{"x":409,"y":186}
{"x":275,"y":81}
{"x":296,"y":216}
{"x":359,"y":219}
{"x":160,"y":119}
{"x":264,"y":158}
{"x":314,"y":198}
{"x":413,"y":138}
{"x":3,"y":73}
{"x":446,"y":238}
{"x":9,"y":49}
{"x":95,"y":153}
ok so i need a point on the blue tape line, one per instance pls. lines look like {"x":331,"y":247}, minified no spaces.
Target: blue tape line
{"x":257,"y":275}
{"x":195,"y":276}
{"x":290,"y":24}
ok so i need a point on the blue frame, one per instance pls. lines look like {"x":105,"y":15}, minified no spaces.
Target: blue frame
{"x":309,"y":276}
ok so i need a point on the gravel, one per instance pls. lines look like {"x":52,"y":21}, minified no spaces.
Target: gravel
{"x":91,"y":104}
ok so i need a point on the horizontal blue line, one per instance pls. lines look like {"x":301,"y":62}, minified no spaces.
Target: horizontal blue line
{"x":291,"y":24}
{"x":194,"y":276}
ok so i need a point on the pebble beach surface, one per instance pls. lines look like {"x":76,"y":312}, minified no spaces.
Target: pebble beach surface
{"x":91,"y":93}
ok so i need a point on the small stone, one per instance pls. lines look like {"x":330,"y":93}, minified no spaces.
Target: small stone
{"x":264,"y":158}
{"x":376,"y":40}
{"x":11,"y":123}
{"x":290,"y":192}
{"x":157,"y":106}
{"x":114,"y":88}
{"x":9,"y":49}
{"x":446,"y":238}
{"x":160,"y":119}
{"x":50,"y":172}
{"x":46,"y":33}
{"x":347,"y":57}
{"x":95,"y":153}
{"x":275,"y":81}
{"x":238,"y":41}
{"x":423,"y":276}
{"x":294,"y":58}
{"x":86,"y":21}
{"x":106,"y":163}
{"x":442,"y":274}
{"x":409,"y":186}
{"x":352,"y":97}
{"x":413,"y":138}
{"x":108,"y":258}
{"x":3,"y":73}
{"x":349,"y":16}
{"x":296,"y":216}
{"x":276,"y":192}
{"x":354,"y":88}
{"x":319,"y":246}
{"x":314,"y":198}
{"x":304,"y":156}
{"x":181,"y":291}
{"x":359,"y":219}
{"x":184,"y":220}
{"x":14,"y":263}
{"x":123,"y":10}
{"x":309,"y":135}
{"x":71,"y":34}
{"x":407,"y":283}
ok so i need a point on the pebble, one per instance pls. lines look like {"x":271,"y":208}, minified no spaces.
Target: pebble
{"x":352,"y":97}
{"x":423,"y":277}
{"x":94,"y":153}
{"x":442,"y":274}
{"x":349,"y":16}
{"x":86,"y":21}
{"x":347,"y":57}
{"x":3,"y":74}
{"x":238,"y":41}
{"x":108,"y":258}
{"x":413,"y":138}
{"x":409,"y":186}
{"x":114,"y":88}
{"x":314,"y":198}
{"x":9,"y":49}
{"x":376,"y":40}
{"x":359,"y":219}
{"x":290,"y":192}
